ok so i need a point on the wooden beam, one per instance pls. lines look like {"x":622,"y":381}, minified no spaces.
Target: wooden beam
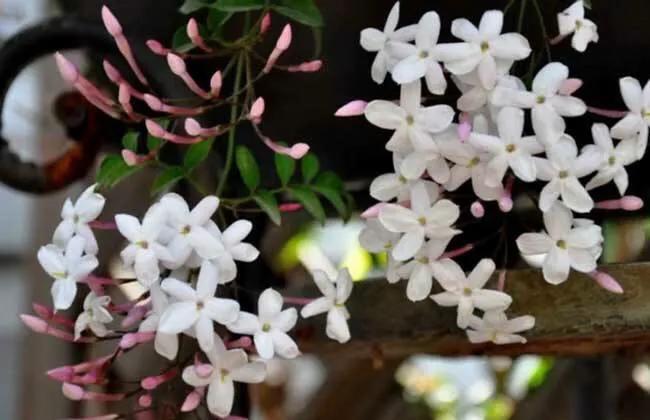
{"x":574,"y":318}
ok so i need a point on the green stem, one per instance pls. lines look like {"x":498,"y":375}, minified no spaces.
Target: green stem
{"x":233,"y":131}
{"x":542,"y":25}
{"x":522,"y":13}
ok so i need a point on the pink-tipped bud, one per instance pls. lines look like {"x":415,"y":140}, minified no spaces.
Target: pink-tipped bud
{"x":153,"y":102}
{"x":68,"y":70}
{"x":607,"y":282}
{"x":257,"y":110}
{"x":193,"y":29}
{"x":373,"y":211}
{"x":111,"y":72}
{"x":130,"y":157}
{"x":145,"y":400}
{"x":61,"y":374}
{"x":128,"y":341}
{"x":352,"y":109}
{"x":464,"y":131}
{"x":192,"y":401}
{"x":570,"y":86}
{"x":152,"y":382}
{"x":631,"y":203}
{"x":110,"y":22}
{"x":505,"y":204}
{"x":290,"y":207}
{"x":176,"y":64}
{"x":306,"y":67}
{"x":240,"y":343}
{"x":124,"y":95}
{"x":204,"y":370}
{"x":134,"y":315}
{"x":192,"y":127}
{"x":156,"y":47}
{"x":73,"y":392}
{"x":33,"y":323}
{"x":284,"y":41}
{"x":477,"y":210}
{"x":43,"y":311}
{"x":155,"y":129}
{"x":298,"y":150}
{"x":266,"y":23}
{"x":215,"y":84}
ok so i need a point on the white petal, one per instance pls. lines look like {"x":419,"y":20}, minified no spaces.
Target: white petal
{"x":223,"y":311}
{"x":524,"y":167}
{"x":284,"y":345}
{"x":627,"y":127}
{"x":534,"y":243}
{"x":487,"y":72}
{"x":447,"y":299}
{"x":436,"y":118}
{"x":63,"y":293}
{"x":324,"y":284}
{"x":178,"y":317}
{"x":250,"y":373}
{"x":206,"y":285}
{"x":286,"y":320}
{"x":464,"y":29}
{"x":221,"y":394}
{"x":511,"y":46}
{"x":549,"y":79}
{"x":379,"y":67}
{"x":372,"y":39}
{"x":264,"y":345}
{"x":128,"y":226}
{"x":385,"y":114}
{"x":582,"y":260}
{"x":568,"y":106}
{"x":621,"y":179}
{"x":549,"y":195}
{"x":556,"y":266}
{"x":398,"y":219}
{"x":409,"y":69}
{"x":63,"y":232}
{"x":491,"y":24}
{"x":420,"y":283}
{"x":51,"y":259}
{"x":385,"y":187}
{"x":408,"y":245}
{"x":166,"y":345}
{"x":465,"y":311}
{"x":204,"y":333}
{"x":246,"y":323}
{"x":632,"y":94}
{"x":146,"y":267}
{"x":178,"y":289}
{"x":481,"y":273}
{"x":558,"y":221}
{"x":488,"y":300}
{"x":344,"y":286}
{"x":337,"y":325}
{"x":435,"y":78}
{"x":316,"y":307}
{"x":206,"y":245}
{"x":448,"y":273}
{"x":576,"y":197}
{"x":269,"y":304}
{"x":511,"y":124}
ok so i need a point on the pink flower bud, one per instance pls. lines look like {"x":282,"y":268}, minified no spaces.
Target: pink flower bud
{"x":192,"y":29}
{"x":192,"y":400}
{"x":67,"y":69}
{"x":505,"y":204}
{"x":35,"y":324}
{"x":373,"y":211}
{"x":284,"y":41}
{"x":464,"y":131}
{"x":266,"y":23}
{"x":152,"y":382}
{"x":176,"y":64}
{"x":203,"y":370}
{"x":110,"y":22}
{"x":111,"y":72}
{"x":153,"y":102}
{"x":306,"y":67}
{"x":192,"y":127}
{"x":130,"y":157}
{"x":570,"y":86}
{"x":606,"y":281}
{"x":290,"y":207}
{"x":73,"y":392}
{"x":155,"y":129}
{"x":631,"y":203}
{"x":477,"y":210}
{"x":243,"y":343}
{"x":61,"y":374}
{"x":156,"y":47}
{"x":145,"y":400}
{"x":352,"y":109}
{"x":257,"y":110}
{"x":128,"y":341}
{"x":215,"y":84}
{"x":299,"y":150}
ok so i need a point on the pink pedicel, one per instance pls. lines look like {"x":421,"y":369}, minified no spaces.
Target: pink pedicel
{"x":265,"y":24}
{"x":477,"y":210}
{"x":115,"y":29}
{"x":131,"y":340}
{"x":156,"y":130}
{"x":458,"y":252}
{"x":501,"y":283}
{"x":291,"y":300}
{"x":306,"y":67}
{"x":607,"y":282}
{"x":608,"y":113}
{"x":352,"y":109}
{"x":76,"y":393}
{"x":627,"y":203}
{"x":505,"y":201}
{"x":178,"y":67}
{"x":100,"y":225}
{"x":290,"y":207}
{"x":195,"y":36}
{"x":157,"y":48}
{"x":158,"y":105}
{"x":257,"y":110}
{"x":116,"y":77}
{"x":297,"y":151}
{"x":373,"y":211}
{"x":48,"y":314}
{"x":152,"y":382}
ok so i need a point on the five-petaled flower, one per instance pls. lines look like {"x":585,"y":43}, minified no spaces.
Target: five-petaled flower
{"x":495,"y":327}
{"x":573,"y":21}
{"x":635,"y":124}
{"x":95,"y":316}
{"x":76,"y":217}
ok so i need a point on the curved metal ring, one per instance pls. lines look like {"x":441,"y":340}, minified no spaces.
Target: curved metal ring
{"x":79,"y":117}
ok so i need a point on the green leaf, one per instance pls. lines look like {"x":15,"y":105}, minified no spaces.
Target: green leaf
{"x":309,"y":166}
{"x":329,"y":179}
{"x":153,"y":143}
{"x":302,"y":11}
{"x":284,"y":167}
{"x":334,"y":197}
{"x":310,"y":201}
{"x":248,"y":169}
{"x":130,"y":141}
{"x":181,"y":42}
{"x":167,"y":178}
{"x":191,"y":6}
{"x":113,"y":169}
{"x":238,"y":5}
{"x":269,"y":204}
{"x":216,"y":20}
{"x":196,"y":154}
{"x":587,"y":4}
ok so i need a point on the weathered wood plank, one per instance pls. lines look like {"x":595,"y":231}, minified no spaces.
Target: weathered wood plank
{"x":575,"y":318}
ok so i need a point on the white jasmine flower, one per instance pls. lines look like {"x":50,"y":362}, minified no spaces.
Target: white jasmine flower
{"x":269,"y":329}
{"x":413,"y":124}
{"x":561,"y":170}
{"x":335,"y":294}
{"x":572,"y":21}
{"x":76,"y":217}
{"x":197,"y":308}
{"x":635,"y":124}
{"x":165,"y":345}
{"x":375,"y":40}
{"x":497,"y":328}
{"x":509,"y":150}
{"x":425,"y":158}
{"x":485,"y":48}
{"x":375,"y":238}
{"x":614,"y":159}
{"x":228,"y":366}
{"x":466,"y":292}
{"x":562,"y":245}
{"x":476,"y":98}
{"x":189,"y":228}
{"x":144,"y":251}
{"x":94,"y":317}
{"x":395,"y":185}
{"x":234,"y":248}
{"x":425,"y":218}
{"x":66,"y":267}
{"x":419,"y":59}
{"x":419,"y":271}
{"x":547,"y":104}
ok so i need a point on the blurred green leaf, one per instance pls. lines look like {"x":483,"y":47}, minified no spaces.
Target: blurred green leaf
{"x":191,"y":6}
{"x":302,"y":11}
{"x":130,"y":141}
{"x":180,"y":41}
{"x":167,"y":178}
{"x":196,"y":154}
{"x":587,"y":4}
{"x":113,"y":169}
{"x":248,"y":168}
{"x":216,"y":20}
{"x":310,"y":201}
{"x":269,"y":204}
{"x":238,"y":5}
{"x":329,"y":179}
{"x":309,"y":165}
{"x":285,"y":168}
{"x":335,"y":198}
